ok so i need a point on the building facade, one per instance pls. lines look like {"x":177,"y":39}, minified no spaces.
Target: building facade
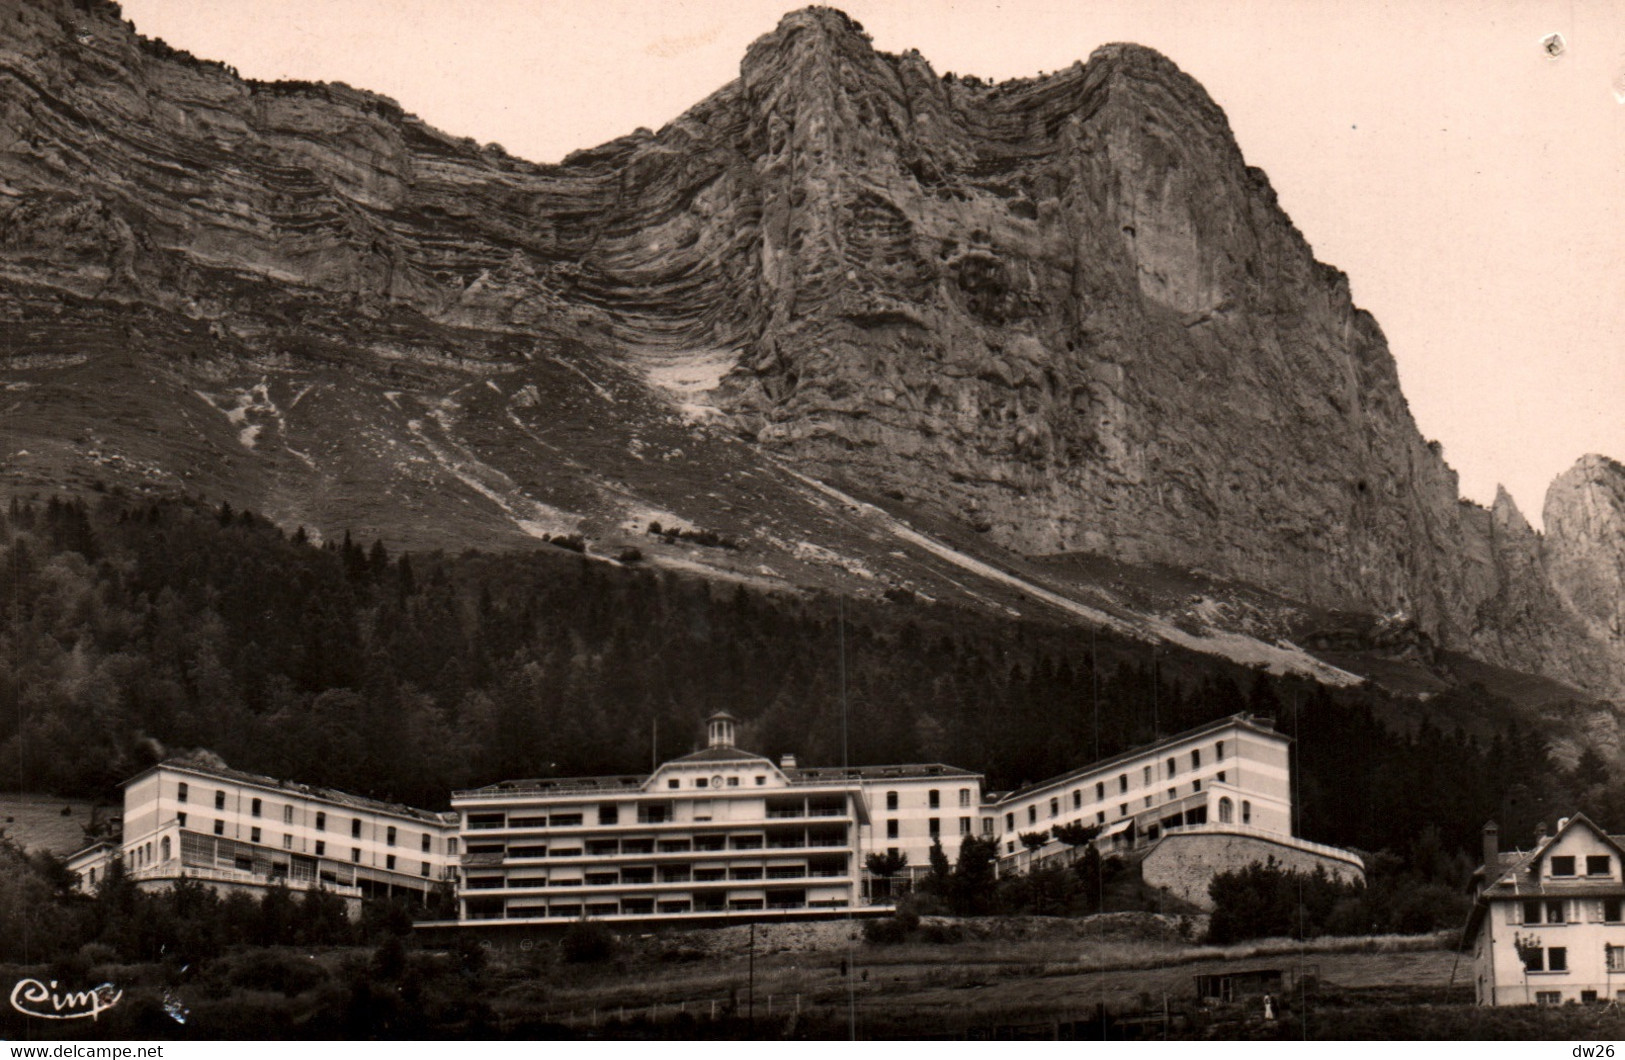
{"x":1548,"y":925}
{"x":198,"y":819}
{"x":720,"y":833}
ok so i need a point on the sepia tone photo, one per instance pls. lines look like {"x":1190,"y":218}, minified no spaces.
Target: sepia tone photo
{"x":926,"y":520}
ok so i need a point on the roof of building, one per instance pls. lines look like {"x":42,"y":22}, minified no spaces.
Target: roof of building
{"x":913,"y":771}
{"x":1245,"y":719}
{"x":719,"y":754}
{"x":210,"y":766}
{"x":1516,"y":874}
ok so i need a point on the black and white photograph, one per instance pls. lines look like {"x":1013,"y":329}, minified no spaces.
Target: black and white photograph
{"x":956,"y":520}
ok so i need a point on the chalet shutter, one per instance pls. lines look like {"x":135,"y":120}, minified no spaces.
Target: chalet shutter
{"x":1513,"y":911}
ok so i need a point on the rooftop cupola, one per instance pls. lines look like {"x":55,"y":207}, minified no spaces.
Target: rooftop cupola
{"x":719,"y":729}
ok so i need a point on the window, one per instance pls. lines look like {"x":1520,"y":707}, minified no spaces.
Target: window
{"x":987,"y":826}
{"x":891,"y":829}
{"x":1227,"y":811}
{"x":1077,"y":798}
{"x":1557,"y":959}
{"x":1563,"y":865}
{"x":219,"y":828}
{"x":933,"y":798}
{"x":606,"y":815}
{"x":1611,"y":910}
{"x":253,"y":835}
{"x":701,"y":782}
{"x":673,"y":782}
{"x":1173,"y":766}
{"x":1218,"y":751}
{"x":1196,"y":785}
{"x":1055,"y":807}
{"x":1548,"y":997}
{"x":1010,"y":847}
{"x":321,"y":820}
{"x":355,"y":828}
{"x":1534,"y":959}
{"x":389,"y":861}
{"x":891,"y":851}
{"x":1100,"y":791}
{"x":425,"y":842}
{"x":1554,"y":911}
{"x":219,"y":800}
{"x":451,"y":845}
{"x":1100,"y":816}
{"x":936,"y":827}
{"x":964,"y":826}
{"x":180,"y":792}
{"x":1146,"y":779}
{"x":1599,"y":864}
{"x":287,"y":814}
{"x":1196,"y":759}
{"x":1032,"y":815}
{"x":423,"y":869}
{"x":255,"y":807}
{"x":964,"y":796}
{"x":321,"y":848}
{"x":180,"y":818}
{"x":287,"y":842}
{"x":733,"y":782}
{"x":891,"y":800}
{"x":355,"y":855}
{"x":1531,"y":911}
{"x":760,"y":781}
{"x":1122,"y":782}
{"x":1616,"y":958}
{"x":1220,"y":776}
{"x":1588,"y":997}
{"x":390,"y":835}
{"x":1122,"y":811}
{"x":1173,"y":793}
{"x":1246,"y":812}
{"x":163,"y":849}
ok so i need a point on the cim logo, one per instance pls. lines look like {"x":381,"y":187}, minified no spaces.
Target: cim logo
{"x":34,"y":998}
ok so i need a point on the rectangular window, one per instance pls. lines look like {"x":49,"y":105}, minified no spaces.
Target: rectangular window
{"x":355,"y":855}
{"x":1173,"y":766}
{"x":1611,"y":910}
{"x":180,"y":819}
{"x":1146,"y":778}
{"x":1196,"y":785}
{"x":673,"y":782}
{"x":701,"y":782}
{"x":1557,"y":959}
{"x":425,"y":842}
{"x":761,"y":781}
{"x":219,"y":828}
{"x":321,"y":820}
{"x":253,"y":835}
{"x":1554,"y":911}
{"x":321,"y":848}
{"x":936,"y":827}
{"x":219,"y":800}
{"x":1077,"y":798}
{"x":1173,"y":793}
{"x":1122,"y":782}
{"x":180,"y":792}
{"x":1218,"y":751}
{"x":1599,"y":864}
{"x":287,"y":842}
{"x":390,"y":835}
{"x":1534,"y":959}
{"x":606,"y":815}
{"x":1548,"y":997}
{"x":1616,"y":958}
{"x":987,"y":826}
{"x":733,"y":782}
{"x":1531,"y":911}
{"x":964,"y":796}
{"x":891,"y":800}
{"x":1196,"y":759}
{"x":1563,"y":865}
{"x":287,"y":814}
{"x":1122,"y":811}
{"x":891,"y":829}
{"x":423,"y":869}
{"x":1055,"y":807}
{"x":964,"y":826}
{"x":1100,"y":816}
{"x":934,"y":798}
{"x":389,"y":861}
{"x":1220,"y":776}
{"x":255,"y":807}
{"x":1032,"y":815}
{"x":1100,"y":791}
{"x":451,"y":846}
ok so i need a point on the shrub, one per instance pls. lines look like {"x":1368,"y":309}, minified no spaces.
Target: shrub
{"x":588,"y":942}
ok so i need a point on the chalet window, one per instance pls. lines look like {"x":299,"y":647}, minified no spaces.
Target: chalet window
{"x":1557,"y":959}
{"x":1554,"y":911}
{"x":1616,"y":958}
{"x":891,"y":829}
{"x":255,"y":808}
{"x":1599,"y":864}
{"x":1563,"y":865}
{"x":964,"y":796}
{"x":219,"y":800}
{"x":1611,"y":910}
{"x":180,"y":792}
{"x":934,"y":798}
{"x":1531,"y":911}
{"x":891,"y":800}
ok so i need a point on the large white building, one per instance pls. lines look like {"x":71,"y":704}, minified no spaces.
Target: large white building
{"x":198,"y":819}
{"x":1548,"y":924}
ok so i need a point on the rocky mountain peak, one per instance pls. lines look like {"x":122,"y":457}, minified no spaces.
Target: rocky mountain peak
{"x":1585,"y":541}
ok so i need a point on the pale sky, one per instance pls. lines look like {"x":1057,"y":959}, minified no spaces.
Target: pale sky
{"x":1472,"y":187}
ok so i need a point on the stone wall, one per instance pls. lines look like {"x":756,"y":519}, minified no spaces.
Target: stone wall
{"x":1184,"y":864}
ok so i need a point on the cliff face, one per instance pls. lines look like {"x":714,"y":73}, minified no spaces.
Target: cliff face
{"x":1061,"y":313}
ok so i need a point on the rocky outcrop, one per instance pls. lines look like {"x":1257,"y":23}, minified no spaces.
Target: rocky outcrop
{"x":1060,"y":311}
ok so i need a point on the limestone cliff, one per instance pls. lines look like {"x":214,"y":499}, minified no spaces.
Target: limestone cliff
{"x":1061,"y":313}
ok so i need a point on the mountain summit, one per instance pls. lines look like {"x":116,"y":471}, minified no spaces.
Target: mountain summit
{"x":874,"y":328}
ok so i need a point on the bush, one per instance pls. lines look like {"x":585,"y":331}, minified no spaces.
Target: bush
{"x":886,"y":931}
{"x":588,"y":942}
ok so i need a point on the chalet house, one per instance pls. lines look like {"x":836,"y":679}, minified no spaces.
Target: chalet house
{"x":1548,"y":925}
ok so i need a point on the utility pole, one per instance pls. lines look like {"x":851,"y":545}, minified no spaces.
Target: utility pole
{"x":750,"y":1003}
